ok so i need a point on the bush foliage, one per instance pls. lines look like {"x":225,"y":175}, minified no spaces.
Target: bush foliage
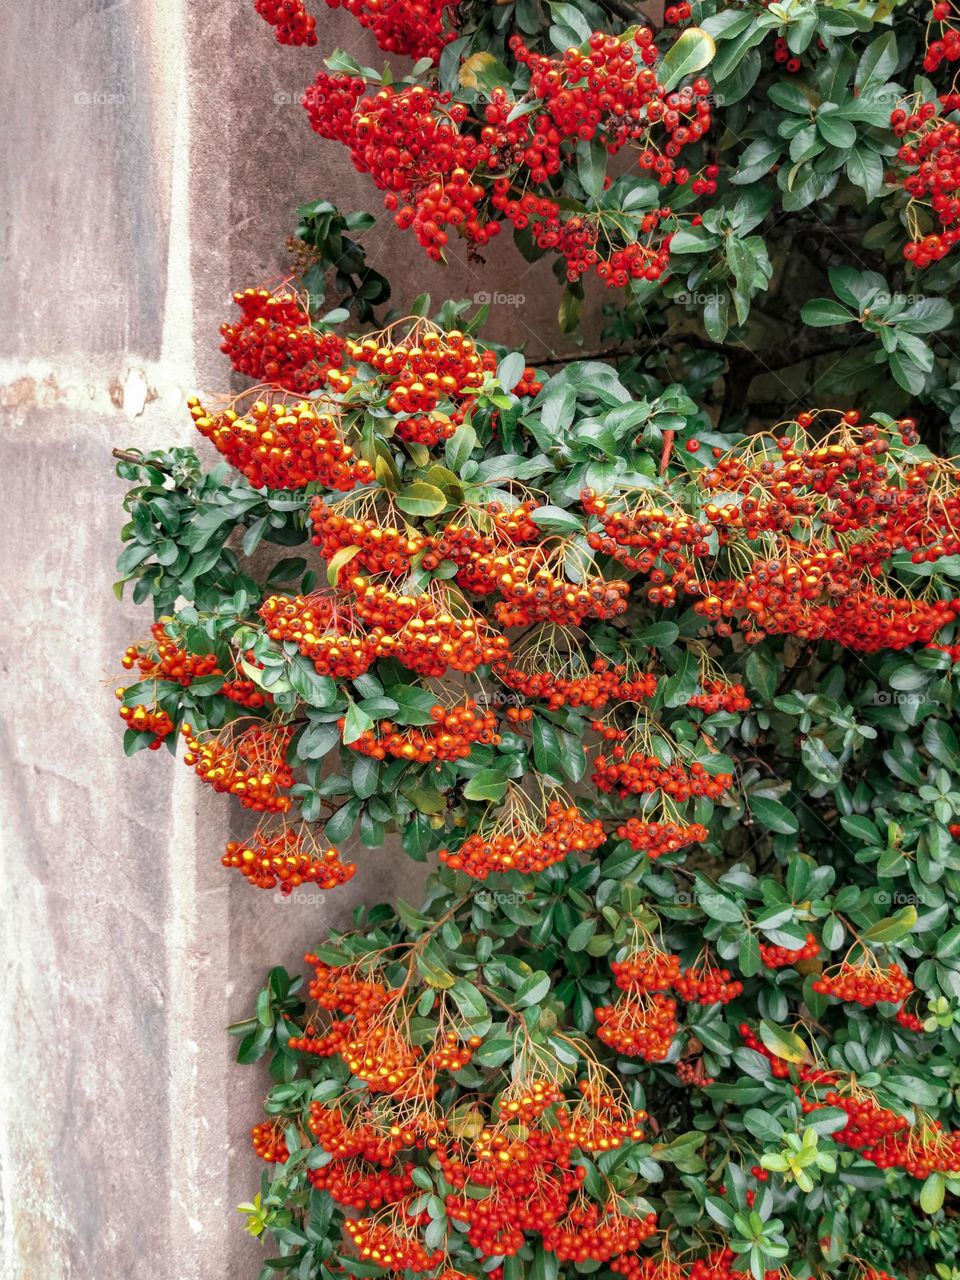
{"x":649,"y":656}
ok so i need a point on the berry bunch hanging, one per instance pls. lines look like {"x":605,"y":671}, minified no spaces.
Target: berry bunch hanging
{"x":653,"y":665}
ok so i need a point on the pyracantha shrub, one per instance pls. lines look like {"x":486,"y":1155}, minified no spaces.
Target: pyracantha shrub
{"x":652,"y":657}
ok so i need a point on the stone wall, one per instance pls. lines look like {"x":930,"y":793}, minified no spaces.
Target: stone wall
{"x":153,"y":152}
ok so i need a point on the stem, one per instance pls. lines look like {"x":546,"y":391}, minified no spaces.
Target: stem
{"x":126,"y":455}
{"x":621,"y":9}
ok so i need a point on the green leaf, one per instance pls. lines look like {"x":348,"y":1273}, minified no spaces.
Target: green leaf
{"x":932,"y":1193}
{"x":906,"y":373}
{"x":421,"y":499}
{"x":556,"y":520}
{"x":459,"y":447}
{"x":472,"y":1006}
{"x":774,"y":815}
{"x":592,"y":166}
{"x":865,"y":170}
{"x":532,"y":990}
{"x":510,"y":370}
{"x":693,"y":240}
{"x":785,"y":1044}
{"x":690,"y":53}
{"x":762,"y":1125}
{"x":682,"y":685}
{"x":319,"y":691}
{"x":839,"y":133}
{"x":488,"y":784}
{"x":356,"y":723}
{"x":568,"y":314}
{"x":822,"y":312}
{"x":495,"y":1052}
{"x":878,"y":63}
{"x":581,"y":934}
{"x":341,"y":823}
{"x":413,"y":704}
{"x":893,"y":928}
{"x":546,"y":749}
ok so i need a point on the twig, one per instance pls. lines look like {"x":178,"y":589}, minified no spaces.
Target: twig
{"x":125,"y":455}
{"x":622,"y":10}
{"x":613,"y":353}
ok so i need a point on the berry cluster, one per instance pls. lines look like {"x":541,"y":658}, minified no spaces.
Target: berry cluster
{"x":274,"y":342}
{"x":784,"y":58}
{"x":908,"y":1020}
{"x":512,"y":1177}
{"x":930,"y":152}
{"x":604,"y":684}
{"x":411,"y":28}
{"x":880,"y":1135}
{"x":532,"y":581}
{"x":533,"y":592}
{"x":426,"y":429}
{"x":371,"y":1035}
{"x":523,"y":846}
{"x":269,"y":1142}
{"x":250,"y":765}
{"x":642,"y":1023}
{"x":639,"y":1026}
{"x":611,"y":91}
{"x":531,"y":1185}
{"x":142,"y":719}
{"x":421,"y":634}
{"x":865,"y":983}
{"x":814,"y":525}
{"x":323,"y":631}
{"x":774,"y":957}
{"x":646,"y":970}
{"x":657,"y":838}
{"x":292,"y":22}
{"x":282,"y":445}
{"x":635,"y":773}
{"x":470,"y":547}
{"x":379,"y":549}
{"x":720,"y":695}
{"x":945,"y":47}
{"x":288,"y":860}
{"x":447,"y":169}
{"x":393,"y":1247}
{"x":716,"y":1265}
{"x":706,"y":986}
{"x":246,"y":694}
{"x":167,"y":661}
{"x":450,"y":737}
{"x":423,"y":367}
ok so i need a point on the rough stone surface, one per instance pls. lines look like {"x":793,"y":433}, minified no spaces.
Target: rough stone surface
{"x":150,"y":161}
